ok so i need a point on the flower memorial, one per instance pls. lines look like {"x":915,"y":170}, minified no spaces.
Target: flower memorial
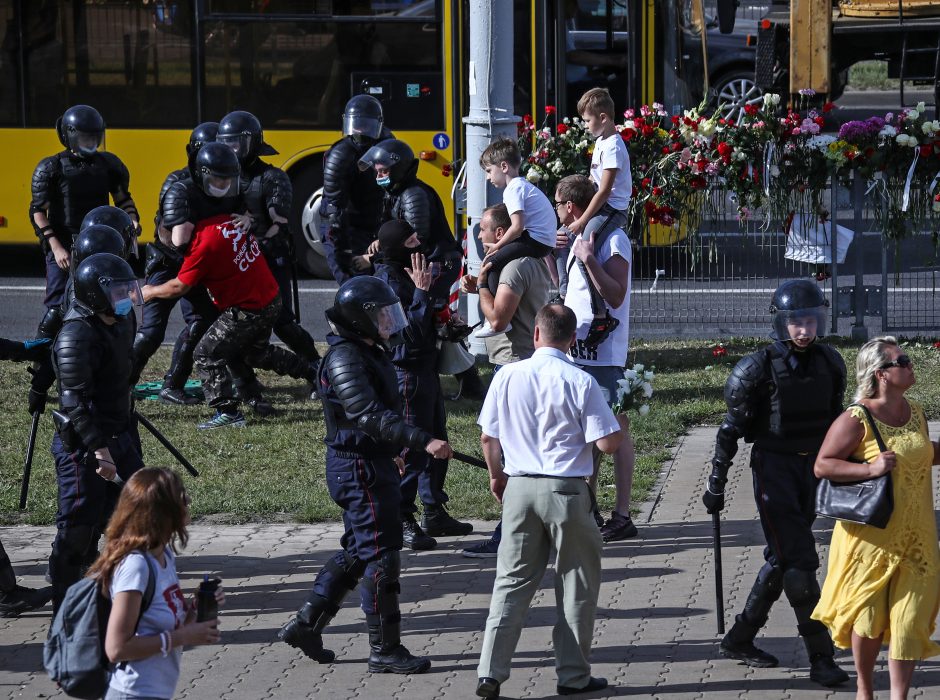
{"x":771,"y":163}
{"x":634,"y":390}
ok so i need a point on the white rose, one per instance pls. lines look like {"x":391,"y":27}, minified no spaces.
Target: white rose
{"x":648,"y":376}
{"x":644,"y":409}
{"x":647,"y":389}
{"x":623,"y":384}
{"x":901,"y":139}
{"x":533,"y":176}
{"x":620,"y":394}
{"x":888,"y":130}
{"x":921,"y":107}
{"x":629,"y":374}
{"x":638,"y":367}
{"x":774,"y":171}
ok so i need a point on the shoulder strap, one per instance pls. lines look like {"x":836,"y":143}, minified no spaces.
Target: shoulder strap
{"x":147,"y":598}
{"x":874,"y":428}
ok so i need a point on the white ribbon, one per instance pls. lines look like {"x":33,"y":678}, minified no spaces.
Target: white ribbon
{"x":906,"y":200}
{"x":770,"y":150}
{"x":936,"y":178}
{"x":876,"y":178}
{"x":656,"y":279}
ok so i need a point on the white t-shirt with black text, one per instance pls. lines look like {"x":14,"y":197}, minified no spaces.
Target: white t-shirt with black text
{"x":540,"y":221}
{"x":156,"y":676}
{"x":613,"y":351}
{"x":611,"y":153}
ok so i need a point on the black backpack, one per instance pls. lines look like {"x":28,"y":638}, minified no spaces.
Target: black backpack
{"x":73,"y":654}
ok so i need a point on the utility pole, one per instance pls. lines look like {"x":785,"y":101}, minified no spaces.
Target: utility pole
{"x":490,"y":84}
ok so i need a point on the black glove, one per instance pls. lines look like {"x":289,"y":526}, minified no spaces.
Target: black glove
{"x":714,"y":496}
{"x":36,"y":401}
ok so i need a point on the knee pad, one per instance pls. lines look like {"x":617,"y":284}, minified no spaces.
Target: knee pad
{"x":51,"y":323}
{"x":801,"y":587}
{"x":145,"y":346}
{"x":771,"y":579}
{"x":346,"y":568}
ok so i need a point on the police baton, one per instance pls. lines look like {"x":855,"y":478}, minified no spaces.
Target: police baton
{"x":28,"y":464}
{"x":161,"y":438}
{"x":295,"y":290}
{"x":719,"y":589}
{"x":469,"y":459}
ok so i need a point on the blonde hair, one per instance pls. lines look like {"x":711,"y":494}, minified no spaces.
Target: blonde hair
{"x":596,"y":101}
{"x":871,"y":356}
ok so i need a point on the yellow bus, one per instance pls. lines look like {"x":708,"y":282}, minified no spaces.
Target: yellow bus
{"x":156,"y":68}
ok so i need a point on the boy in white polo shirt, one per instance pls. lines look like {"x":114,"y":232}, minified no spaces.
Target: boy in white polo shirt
{"x":532,"y":233}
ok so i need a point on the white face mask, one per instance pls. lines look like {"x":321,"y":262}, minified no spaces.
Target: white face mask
{"x":217,"y":191}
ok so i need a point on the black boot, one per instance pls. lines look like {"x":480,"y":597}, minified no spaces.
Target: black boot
{"x":388,"y":654}
{"x":437,"y":522}
{"x":739,"y":642}
{"x":822,"y":665}
{"x":15,"y":599}
{"x":413,"y":536}
{"x":304,"y":630}
{"x":471,"y":387}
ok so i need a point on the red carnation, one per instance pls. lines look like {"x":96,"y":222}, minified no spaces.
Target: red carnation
{"x":627,"y":134}
{"x":527,"y":119}
{"x":724,"y":148}
{"x":657,"y":191}
{"x":719,"y":351}
{"x":549,"y":109}
{"x":828,"y":107}
{"x":645,"y":183}
{"x":926,"y":150}
{"x":647,"y":131}
{"x":562,"y":128}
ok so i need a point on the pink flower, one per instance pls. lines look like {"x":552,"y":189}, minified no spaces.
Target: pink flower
{"x":796,"y":131}
{"x":629,"y":114}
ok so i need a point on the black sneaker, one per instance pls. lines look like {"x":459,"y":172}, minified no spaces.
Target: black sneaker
{"x":824,"y":670}
{"x":177,"y":397}
{"x":619,"y":527}
{"x":748,"y":653}
{"x":484,"y":550}
{"x":413,"y":536}
{"x":21,"y":599}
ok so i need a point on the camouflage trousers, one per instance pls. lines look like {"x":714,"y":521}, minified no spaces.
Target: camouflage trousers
{"x":238,"y":334}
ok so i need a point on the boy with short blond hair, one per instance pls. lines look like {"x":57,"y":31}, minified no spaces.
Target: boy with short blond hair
{"x":532,"y":233}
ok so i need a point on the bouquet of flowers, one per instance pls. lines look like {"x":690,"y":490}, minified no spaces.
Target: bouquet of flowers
{"x":634,"y":390}
{"x":549,"y":156}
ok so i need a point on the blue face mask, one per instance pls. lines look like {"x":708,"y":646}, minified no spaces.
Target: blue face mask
{"x":123,"y":307}
{"x":383,"y":181}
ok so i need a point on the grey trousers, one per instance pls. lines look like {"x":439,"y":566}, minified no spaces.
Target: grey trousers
{"x":539,"y":513}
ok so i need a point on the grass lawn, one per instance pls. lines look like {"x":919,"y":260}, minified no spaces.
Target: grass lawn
{"x":273,"y":469}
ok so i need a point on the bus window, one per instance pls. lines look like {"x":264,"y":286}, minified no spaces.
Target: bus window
{"x":9,"y":65}
{"x":109,"y":55}
{"x":300,"y":74}
{"x":596,"y":49}
{"x":327,"y":8}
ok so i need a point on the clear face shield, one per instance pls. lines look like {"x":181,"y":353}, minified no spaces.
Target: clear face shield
{"x":800,"y":326}
{"x":84,"y":143}
{"x":239,"y":143}
{"x":389,"y":321}
{"x":124,"y":295}
{"x":361,"y":128}
{"x":219,"y":186}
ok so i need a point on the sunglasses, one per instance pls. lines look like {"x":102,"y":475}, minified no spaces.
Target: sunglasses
{"x":901,"y":361}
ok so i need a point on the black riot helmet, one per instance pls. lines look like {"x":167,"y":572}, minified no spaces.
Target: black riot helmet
{"x":241,"y":131}
{"x":200,"y":136}
{"x":216,"y":170}
{"x":81,"y":130}
{"x":368,"y":308}
{"x":362,"y":118}
{"x":393,"y":155}
{"x":799,"y":310}
{"x":97,"y":238}
{"x":118,"y":219}
{"x":106,"y":284}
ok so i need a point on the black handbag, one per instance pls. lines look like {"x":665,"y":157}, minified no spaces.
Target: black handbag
{"x":866,"y":502}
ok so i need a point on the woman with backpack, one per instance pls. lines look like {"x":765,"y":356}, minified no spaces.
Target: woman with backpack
{"x":146,"y":644}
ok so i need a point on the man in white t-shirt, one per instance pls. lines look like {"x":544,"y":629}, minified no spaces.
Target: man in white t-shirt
{"x":607,"y":258}
{"x":543,"y":415}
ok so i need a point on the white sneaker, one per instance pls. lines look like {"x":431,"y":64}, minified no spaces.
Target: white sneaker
{"x":486,"y":330}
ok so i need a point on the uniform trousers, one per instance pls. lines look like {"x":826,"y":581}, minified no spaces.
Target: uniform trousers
{"x":539,"y":513}
{"x":423,"y":407}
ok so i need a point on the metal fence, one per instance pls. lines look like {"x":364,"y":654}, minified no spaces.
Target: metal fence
{"x":720,"y":283}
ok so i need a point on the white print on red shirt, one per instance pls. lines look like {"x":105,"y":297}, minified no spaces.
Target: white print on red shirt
{"x":175,"y":602}
{"x":246,"y":253}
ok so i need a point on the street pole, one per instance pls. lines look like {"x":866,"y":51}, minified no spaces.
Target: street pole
{"x":490,"y":85}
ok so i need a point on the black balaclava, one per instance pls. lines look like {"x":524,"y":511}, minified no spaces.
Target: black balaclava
{"x":392,"y":236}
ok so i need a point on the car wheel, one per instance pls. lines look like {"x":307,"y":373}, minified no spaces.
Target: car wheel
{"x":735,"y":90}
{"x":306,"y":225}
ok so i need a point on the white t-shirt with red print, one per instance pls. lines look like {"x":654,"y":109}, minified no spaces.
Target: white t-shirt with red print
{"x":156,"y":676}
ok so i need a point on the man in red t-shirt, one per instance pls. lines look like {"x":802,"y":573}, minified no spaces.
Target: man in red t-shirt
{"x":228,"y":262}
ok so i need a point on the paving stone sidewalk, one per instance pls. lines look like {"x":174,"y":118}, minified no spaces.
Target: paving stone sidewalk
{"x":655,"y":635}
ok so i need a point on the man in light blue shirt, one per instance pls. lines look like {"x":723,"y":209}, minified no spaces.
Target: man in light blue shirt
{"x":544,"y":415}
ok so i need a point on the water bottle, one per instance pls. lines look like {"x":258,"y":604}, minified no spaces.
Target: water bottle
{"x":206,"y":606}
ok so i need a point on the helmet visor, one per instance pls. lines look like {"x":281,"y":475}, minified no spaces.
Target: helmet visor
{"x":239,"y":143}
{"x":123,"y":295}
{"x":389,"y":321}
{"x":361,"y":127}
{"x":800,"y":324}
{"x":84,"y":142}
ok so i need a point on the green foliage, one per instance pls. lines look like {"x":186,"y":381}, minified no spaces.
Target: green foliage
{"x":273,"y":469}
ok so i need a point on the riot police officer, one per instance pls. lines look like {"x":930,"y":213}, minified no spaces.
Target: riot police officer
{"x":404,"y":268}
{"x":767,"y":397}
{"x":365,"y":431}
{"x":96,"y":439}
{"x":267,"y":191}
{"x":66,"y":186}
{"x":352,"y":202}
{"x":409,"y":199}
{"x":163,"y":262}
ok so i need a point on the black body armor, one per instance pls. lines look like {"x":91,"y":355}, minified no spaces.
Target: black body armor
{"x":184,"y":201}
{"x":351,"y":199}
{"x":417,"y":203}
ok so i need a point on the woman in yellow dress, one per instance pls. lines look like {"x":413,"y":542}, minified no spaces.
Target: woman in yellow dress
{"x":883,"y":585}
